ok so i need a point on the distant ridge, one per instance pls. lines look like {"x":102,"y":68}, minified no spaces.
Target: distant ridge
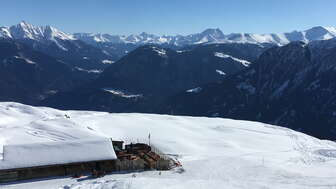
{"x":213,"y":36}
{"x":24,"y":30}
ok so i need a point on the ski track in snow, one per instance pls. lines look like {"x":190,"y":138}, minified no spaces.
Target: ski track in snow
{"x":215,"y":153}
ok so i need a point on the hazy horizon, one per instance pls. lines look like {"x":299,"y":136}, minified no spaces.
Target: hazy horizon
{"x":171,"y":17}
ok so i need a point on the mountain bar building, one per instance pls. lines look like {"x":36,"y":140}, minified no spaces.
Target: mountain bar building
{"x":38,"y":160}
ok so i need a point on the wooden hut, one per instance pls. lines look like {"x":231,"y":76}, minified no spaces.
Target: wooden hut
{"x":27,"y":161}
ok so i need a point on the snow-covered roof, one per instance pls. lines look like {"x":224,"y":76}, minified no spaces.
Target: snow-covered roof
{"x":54,"y":153}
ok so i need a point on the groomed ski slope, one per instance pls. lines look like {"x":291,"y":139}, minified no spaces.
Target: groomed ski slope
{"x":215,"y":153}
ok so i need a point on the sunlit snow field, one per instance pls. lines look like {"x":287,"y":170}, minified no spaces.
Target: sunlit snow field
{"x":215,"y":153}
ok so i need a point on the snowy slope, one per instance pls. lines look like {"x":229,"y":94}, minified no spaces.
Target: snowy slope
{"x":215,"y":152}
{"x":5,"y":33}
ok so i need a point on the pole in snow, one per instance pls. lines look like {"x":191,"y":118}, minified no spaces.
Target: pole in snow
{"x":149,"y":139}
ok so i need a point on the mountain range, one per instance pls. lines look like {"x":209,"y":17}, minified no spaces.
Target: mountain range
{"x":284,"y":79}
{"x":25,"y":30}
{"x":212,"y":36}
{"x":94,"y":52}
{"x":151,"y":73}
{"x":60,"y":45}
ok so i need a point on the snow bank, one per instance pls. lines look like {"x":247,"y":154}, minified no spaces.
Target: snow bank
{"x":53,"y":153}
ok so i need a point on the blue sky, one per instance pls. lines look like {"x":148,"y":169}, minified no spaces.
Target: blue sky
{"x":170,"y":16}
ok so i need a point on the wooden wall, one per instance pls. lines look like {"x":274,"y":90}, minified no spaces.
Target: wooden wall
{"x":56,"y":170}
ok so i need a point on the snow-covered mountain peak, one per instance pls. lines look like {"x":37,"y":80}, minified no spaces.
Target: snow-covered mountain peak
{"x":24,"y":30}
{"x":213,"y":32}
{"x":208,"y":36}
{"x":321,"y":29}
{"x":144,"y":34}
{"x":320,"y":33}
{"x":51,"y":33}
{"x":24,"y":24}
